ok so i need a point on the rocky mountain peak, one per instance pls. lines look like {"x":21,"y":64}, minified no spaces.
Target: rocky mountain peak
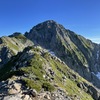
{"x":61,"y":65}
{"x":46,"y":33}
{"x":78,"y":52}
{"x":47,"y":27}
{"x":48,"y":23}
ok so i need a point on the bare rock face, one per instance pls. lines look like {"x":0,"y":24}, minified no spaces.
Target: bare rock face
{"x":5,"y":55}
{"x":14,"y":89}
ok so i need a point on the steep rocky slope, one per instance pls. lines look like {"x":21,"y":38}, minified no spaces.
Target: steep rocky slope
{"x":10,"y":46}
{"x":36,"y":74}
{"x":80,"y":54}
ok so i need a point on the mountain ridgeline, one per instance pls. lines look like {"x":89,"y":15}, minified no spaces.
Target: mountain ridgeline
{"x":80,"y":54}
{"x":49,"y":63}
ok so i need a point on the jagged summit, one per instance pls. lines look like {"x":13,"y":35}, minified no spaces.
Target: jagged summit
{"x":48,"y":22}
{"x":46,"y":33}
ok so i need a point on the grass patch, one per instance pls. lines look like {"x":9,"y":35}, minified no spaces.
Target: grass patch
{"x":72,"y":90}
{"x":11,"y":45}
{"x":35,"y":67}
{"x":32,"y":84}
{"x":21,"y":37}
{"x":48,"y":87}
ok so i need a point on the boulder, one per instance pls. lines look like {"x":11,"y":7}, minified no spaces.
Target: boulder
{"x":26,"y":97}
{"x":12,"y":91}
{"x":33,"y":93}
{"x":47,"y":97}
{"x":17,"y":86}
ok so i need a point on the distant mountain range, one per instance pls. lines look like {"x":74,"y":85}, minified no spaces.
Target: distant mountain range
{"x":49,"y":63}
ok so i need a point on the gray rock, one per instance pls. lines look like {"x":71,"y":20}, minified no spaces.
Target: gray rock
{"x":47,"y":97}
{"x":26,"y":97}
{"x":33,"y":92}
{"x":13,"y":97}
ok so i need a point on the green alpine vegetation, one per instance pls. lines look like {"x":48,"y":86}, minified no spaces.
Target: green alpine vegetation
{"x":43,"y":71}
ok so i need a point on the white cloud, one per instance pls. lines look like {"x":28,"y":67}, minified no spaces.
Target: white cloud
{"x":95,"y":39}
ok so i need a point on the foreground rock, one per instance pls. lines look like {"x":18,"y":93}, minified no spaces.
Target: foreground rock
{"x":13,"y":90}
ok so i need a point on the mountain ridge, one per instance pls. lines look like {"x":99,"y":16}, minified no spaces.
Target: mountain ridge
{"x":49,"y":62}
{"x":51,"y":35}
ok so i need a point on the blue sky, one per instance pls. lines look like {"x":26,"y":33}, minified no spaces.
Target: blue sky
{"x":80,"y":16}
